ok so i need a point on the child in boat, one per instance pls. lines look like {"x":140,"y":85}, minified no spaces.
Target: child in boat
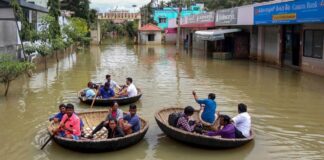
{"x":132,"y":121}
{"x":89,"y":92}
{"x":70,"y":124}
{"x":228,"y":130}
{"x":58,"y":117}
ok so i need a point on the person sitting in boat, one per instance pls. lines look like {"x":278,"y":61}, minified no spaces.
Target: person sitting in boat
{"x":89,"y":92}
{"x":106,"y":92}
{"x":70,"y":124}
{"x":114,"y":130}
{"x":113,"y":84}
{"x":130,"y":90}
{"x":184,"y":122}
{"x":114,"y":113}
{"x":58,"y":117}
{"x":132,"y":122}
{"x":242,"y":122}
{"x":208,"y":108}
{"x":228,"y":130}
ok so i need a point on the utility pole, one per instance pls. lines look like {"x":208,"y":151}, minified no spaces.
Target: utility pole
{"x":178,"y":23}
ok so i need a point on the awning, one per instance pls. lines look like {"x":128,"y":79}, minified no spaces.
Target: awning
{"x":214,"y":35}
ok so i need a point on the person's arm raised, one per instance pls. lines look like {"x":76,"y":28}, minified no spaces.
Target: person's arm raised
{"x":195,"y":95}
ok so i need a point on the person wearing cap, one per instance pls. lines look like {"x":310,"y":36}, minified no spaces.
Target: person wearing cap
{"x":228,"y":130}
{"x":106,"y":92}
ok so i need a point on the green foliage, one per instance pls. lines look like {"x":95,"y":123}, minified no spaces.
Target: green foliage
{"x":57,"y":44}
{"x":47,"y":33}
{"x":93,"y":16}
{"x":44,"y":50}
{"x":10,"y":69}
{"x":77,"y":29}
{"x":127,"y":29}
{"x":81,"y":8}
{"x":146,"y":14}
{"x":29,"y":49}
{"x":54,"y":11}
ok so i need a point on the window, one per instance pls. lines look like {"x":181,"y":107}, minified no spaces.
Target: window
{"x":150,"y":37}
{"x":313,"y":43}
{"x":162,"y":20}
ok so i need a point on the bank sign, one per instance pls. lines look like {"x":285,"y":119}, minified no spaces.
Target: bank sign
{"x":226,"y":16}
{"x":299,"y":11}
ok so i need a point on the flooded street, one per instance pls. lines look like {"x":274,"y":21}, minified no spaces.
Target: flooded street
{"x":286,"y":106}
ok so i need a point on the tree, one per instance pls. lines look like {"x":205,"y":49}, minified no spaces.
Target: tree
{"x":81,"y":8}
{"x":10,"y":69}
{"x":54,"y":11}
{"x":44,"y":47}
{"x":78,"y":29}
{"x":57,"y":44}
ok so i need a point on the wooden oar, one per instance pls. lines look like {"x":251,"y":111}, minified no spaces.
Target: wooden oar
{"x":52,"y":136}
{"x":94,"y":99}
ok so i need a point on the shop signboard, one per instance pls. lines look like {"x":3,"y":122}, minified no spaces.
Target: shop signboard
{"x":226,"y":16}
{"x":292,"y":12}
{"x":199,"y":20}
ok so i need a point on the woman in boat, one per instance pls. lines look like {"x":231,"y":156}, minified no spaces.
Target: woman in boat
{"x":114,"y":130}
{"x":228,"y":130}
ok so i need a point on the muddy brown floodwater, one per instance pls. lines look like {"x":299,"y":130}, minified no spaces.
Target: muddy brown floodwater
{"x":287,"y":106}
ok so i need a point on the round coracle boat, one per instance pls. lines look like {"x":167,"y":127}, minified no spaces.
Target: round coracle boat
{"x":195,"y":139}
{"x":99,"y":143}
{"x":110,"y":101}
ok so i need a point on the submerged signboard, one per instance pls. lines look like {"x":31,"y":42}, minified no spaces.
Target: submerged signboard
{"x":302,"y":11}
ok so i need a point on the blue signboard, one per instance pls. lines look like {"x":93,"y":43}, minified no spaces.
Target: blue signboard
{"x":299,"y":11}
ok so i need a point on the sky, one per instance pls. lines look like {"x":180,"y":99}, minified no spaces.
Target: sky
{"x":105,"y":5}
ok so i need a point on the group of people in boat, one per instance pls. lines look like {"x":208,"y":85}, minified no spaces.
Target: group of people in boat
{"x":212,"y":124}
{"x":110,"y":89}
{"x":117,"y":123}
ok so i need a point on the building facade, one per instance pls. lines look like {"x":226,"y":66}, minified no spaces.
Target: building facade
{"x":163,"y":16}
{"x":292,"y":34}
{"x":150,"y":34}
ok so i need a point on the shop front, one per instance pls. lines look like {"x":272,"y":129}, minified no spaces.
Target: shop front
{"x":296,"y":28}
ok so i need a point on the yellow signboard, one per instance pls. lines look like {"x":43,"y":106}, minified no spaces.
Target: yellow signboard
{"x":280,"y":17}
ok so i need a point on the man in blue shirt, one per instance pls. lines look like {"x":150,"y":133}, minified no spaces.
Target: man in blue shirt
{"x":58,"y":117}
{"x":133,"y":121}
{"x":106,"y":92}
{"x":210,"y":106}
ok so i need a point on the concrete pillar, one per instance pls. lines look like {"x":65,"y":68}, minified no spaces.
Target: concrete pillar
{"x":260,"y":47}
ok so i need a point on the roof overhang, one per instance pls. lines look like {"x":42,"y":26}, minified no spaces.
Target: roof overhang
{"x":214,"y":35}
{"x":28,"y":5}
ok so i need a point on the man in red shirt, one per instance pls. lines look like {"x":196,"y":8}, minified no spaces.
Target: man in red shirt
{"x":70,"y":124}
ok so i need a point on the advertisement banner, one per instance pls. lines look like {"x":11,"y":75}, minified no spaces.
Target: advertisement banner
{"x":310,"y":11}
{"x":226,"y":16}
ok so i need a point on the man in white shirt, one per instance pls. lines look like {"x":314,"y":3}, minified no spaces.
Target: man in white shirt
{"x":131,"y":90}
{"x":113,"y":84}
{"x":243,"y":121}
